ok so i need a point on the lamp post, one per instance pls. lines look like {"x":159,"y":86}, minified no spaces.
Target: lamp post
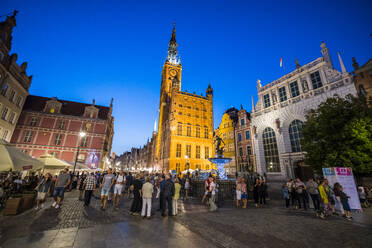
{"x":82,"y":134}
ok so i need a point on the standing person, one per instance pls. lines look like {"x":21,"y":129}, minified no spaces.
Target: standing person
{"x":118,"y":188}
{"x":345,"y":202}
{"x":62,"y":181}
{"x":331,"y":197}
{"x":206,"y":188}
{"x":244,"y":193}
{"x":324,"y":196}
{"x":256,"y":191}
{"x":81,"y":186}
{"x":336,"y":189}
{"x":187,"y":188}
{"x":161,"y":198}
{"x":90,"y":183}
{"x":300,"y":191}
{"x":312,"y":189}
{"x":238,"y":192}
{"x":285,"y":194}
{"x":128,"y":183}
{"x":177,"y":189}
{"x":107,"y":182}
{"x":292,"y":192}
{"x":212,"y":198}
{"x":168,"y":193}
{"x":42,"y":189}
{"x":262,"y":192}
{"x":147,"y":190}
{"x":137,"y":201}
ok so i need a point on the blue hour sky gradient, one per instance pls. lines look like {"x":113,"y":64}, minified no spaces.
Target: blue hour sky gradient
{"x":80,"y":50}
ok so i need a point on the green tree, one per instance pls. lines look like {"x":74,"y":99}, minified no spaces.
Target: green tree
{"x":339,"y":133}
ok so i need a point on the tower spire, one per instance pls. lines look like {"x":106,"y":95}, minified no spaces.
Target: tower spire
{"x":343,"y":69}
{"x":252,"y":104}
{"x":172,"y":48}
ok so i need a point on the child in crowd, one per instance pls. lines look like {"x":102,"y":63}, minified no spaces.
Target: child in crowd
{"x":345,"y":202}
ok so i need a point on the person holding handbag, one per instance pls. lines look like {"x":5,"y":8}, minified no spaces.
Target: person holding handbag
{"x":42,"y":189}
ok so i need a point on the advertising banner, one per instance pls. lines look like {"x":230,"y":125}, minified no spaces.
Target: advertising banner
{"x":344,"y":176}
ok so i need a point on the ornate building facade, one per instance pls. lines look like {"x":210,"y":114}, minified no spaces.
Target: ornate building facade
{"x":185,"y":135}
{"x":363,"y":78}
{"x":52,"y":126}
{"x":281,"y":109}
{"x":244,"y":150}
{"x":226,"y":131}
{"x":14,"y":82}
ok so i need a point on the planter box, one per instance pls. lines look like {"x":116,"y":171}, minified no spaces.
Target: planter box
{"x":28,"y":201}
{"x":13,"y":206}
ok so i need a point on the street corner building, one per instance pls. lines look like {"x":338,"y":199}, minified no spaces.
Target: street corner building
{"x":52,"y":126}
{"x":14,"y":82}
{"x":185,"y":135}
{"x":281,"y":110}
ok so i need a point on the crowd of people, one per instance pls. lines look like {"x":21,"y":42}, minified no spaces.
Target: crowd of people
{"x":324,"y":197}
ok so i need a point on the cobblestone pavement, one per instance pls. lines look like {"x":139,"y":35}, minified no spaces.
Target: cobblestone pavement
{"x":271,"y":226}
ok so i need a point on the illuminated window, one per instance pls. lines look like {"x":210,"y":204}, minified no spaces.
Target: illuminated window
{"x":197,"y":131}
{"x":315,"y":80}
{"x":5,"y":135}
{"x":197,"y":155}
{"x":178,"y":150}
{"x":57,"y":140}
{"x":188,"y":130}
{"x":206,"y":132}
{"x":206,"y":154}
{"x":271,"y":150}
{"x":179,"y":129}
{"x":188,"y":151}
{"x":295,"y":135}
{"x":28,"y":136}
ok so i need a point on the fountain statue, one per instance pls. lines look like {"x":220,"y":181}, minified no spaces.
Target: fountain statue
{"x":219,"y":160}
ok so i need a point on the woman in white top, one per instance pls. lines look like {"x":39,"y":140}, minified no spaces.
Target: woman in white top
{"x":212,"y":199}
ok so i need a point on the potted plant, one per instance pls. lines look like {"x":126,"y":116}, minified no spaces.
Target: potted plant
{"x":13,"y":204}
{"x":28,"y":200}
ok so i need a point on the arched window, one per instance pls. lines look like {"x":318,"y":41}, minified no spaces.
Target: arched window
{"x":271,"y":150}
{"x":295,"y":135}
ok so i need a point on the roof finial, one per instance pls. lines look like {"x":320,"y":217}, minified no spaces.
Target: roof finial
{"x":343,"y":69}
{"x":173,"y":38}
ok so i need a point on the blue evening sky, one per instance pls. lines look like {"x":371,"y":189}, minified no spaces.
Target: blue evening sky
{"x":80,"y":50}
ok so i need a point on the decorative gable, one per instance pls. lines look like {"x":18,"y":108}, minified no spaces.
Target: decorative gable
{"x":53,"y":106}
{"x":91,"y":111}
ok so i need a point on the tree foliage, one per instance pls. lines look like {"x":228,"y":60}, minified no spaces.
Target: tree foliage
{"x":339,"y":134}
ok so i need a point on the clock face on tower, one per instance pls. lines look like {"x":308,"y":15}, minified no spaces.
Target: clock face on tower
{"x":172,"y":72}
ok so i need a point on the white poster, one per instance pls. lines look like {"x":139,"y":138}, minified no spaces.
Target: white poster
{"x":344,"y":176}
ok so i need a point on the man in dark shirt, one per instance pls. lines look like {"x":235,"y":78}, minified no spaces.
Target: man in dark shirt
{"x":168,"y":192}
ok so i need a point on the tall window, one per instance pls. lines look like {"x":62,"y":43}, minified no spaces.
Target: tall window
{"x":61,"y":124}
{"x":282,"y":94}
{"x":19,"y":100}
{"x":188,"y":151}
{"x":5,"y":113}
{"x":57,"y":140}
{"x":315,"y":80}
{"x":206,"y":154}
{"x":28,"y":136}
{"x":247,"y":135}
{"x":197,"y":132}
{"x":239,"y":137}
{"x":242,"y":122}
{"x":271,"y":150}
{"x":5,"y":135}
{"x":12,"y":117}
{"x":197,"y":155}
{"x":188,"y":130}
{"x":84,"y":142}
{"x":33,"y":121}
{"x":11,"y":96}
{"x":179,"y":128}
{"x":206,"y":132}
{"x":178,"y":168}
{"x":295,"y":135}
{"x":178,"y":150}
{"x":249,"y":150}
{"x":4,"y":89}
{"x":240,"y":151}
{"x":267,"y":100}
{"x":294,"y":89}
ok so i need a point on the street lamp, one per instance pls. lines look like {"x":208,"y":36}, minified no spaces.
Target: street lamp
{"x":82,"y":134}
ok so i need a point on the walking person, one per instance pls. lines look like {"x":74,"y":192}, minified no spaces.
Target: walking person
{"x":42,"y":189}
{"x":62,"y":181}
{"x":187,"y":188}
{"x":285,"y":194}
{"x":107,"y":182}
{"x":177,"y":189}
{"x":300,"y":191}
{"x":168,"y":193}
{"x":256,"y":191}
{"x":212,"y":198}
{"x":90,"y":183}
{"x":147,"y":191}
{"x":312,"y":189}
{"x":136,"y":207}
{"x":262,"y":192}
{"x":206,"y":188}
{"x":345,"y":202}
{"x":118,"y":188}
{"x":81,"y":186}
{"x":238,"y":192}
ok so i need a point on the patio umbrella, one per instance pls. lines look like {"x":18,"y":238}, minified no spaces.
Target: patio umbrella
{"x":12,"y":158}
{"x":51,"y":162}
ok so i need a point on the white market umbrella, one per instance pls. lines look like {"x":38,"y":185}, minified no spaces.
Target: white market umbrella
{"x":13,"y":158}
{"x":51,"y":162}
